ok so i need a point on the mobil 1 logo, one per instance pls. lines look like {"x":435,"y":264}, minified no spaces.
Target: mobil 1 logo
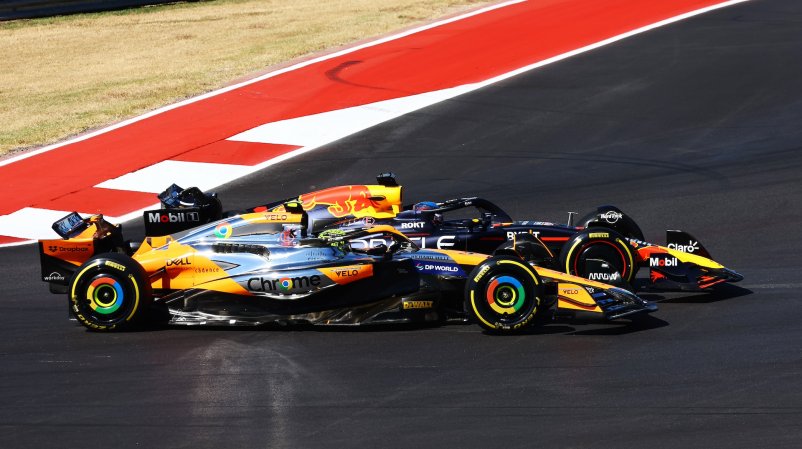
{"x":169,"y":221}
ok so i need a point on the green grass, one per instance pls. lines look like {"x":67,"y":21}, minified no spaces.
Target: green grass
{"x":66,"y":75}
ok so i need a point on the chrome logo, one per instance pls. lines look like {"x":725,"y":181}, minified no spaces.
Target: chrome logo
{"x":105,"y":295}
{"x":285,"y":284}
{"x":223,"y":231}
{"x":505,"y":294}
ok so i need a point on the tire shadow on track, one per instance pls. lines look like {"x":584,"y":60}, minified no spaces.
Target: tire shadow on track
{"x":638,"y":323}
{"x":722,"y":292}
{"x":566,"y":326}
{"x":594,"y":326}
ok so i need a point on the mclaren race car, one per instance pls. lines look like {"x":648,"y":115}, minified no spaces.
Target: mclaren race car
{"x":476,"y":224}
{"x":264,"y":267}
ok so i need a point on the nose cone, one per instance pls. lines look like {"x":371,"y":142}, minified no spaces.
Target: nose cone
{"x":732,"y":276}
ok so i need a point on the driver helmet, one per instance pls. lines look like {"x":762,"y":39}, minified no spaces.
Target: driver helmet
{"x":429,"y":205}
{"x":424,"y":205}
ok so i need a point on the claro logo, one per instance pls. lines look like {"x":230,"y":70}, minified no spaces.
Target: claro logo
{"x":689,"y":248}
{"x":286,"y":284}
{"x":173,"y":217}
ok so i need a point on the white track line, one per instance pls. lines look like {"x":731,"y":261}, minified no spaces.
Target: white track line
{"x":319,"y":129}
{"x":158,"y":177}
{"x":31,"y":223}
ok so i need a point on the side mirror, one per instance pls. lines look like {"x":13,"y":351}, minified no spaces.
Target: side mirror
{"x":487,"y":219}
{"x":387,"y":179}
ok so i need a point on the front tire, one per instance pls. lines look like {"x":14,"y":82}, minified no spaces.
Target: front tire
{"x":503,"y":294}
{"x":602,"y":244}
{"x":109,"y":292}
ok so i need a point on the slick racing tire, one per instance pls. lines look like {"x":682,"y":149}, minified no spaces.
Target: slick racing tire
{"x":598,"y":243}
{"x":503,"y":294}
{"x":109,"y":292}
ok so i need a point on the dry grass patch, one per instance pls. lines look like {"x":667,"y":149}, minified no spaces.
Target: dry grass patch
{"x":66,"y":75}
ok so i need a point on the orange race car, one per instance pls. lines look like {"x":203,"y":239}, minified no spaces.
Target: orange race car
{"x":264,"y":267}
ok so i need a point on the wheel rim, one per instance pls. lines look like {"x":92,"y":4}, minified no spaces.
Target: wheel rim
{"x":105,"y":295}
{"x":105,"y":299}
{"x":505,"y":295}
{"x":603,"y":250}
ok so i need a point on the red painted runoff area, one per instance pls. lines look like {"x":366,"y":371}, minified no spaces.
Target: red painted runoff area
{"x":468,"y":50}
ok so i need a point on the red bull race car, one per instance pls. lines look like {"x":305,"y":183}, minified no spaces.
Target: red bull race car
{"x":476,"y":224}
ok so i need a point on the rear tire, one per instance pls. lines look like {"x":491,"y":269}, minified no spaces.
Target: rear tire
{"x":503,"y":295}
{"x":109,"y":292}
{"x":598,"y":243}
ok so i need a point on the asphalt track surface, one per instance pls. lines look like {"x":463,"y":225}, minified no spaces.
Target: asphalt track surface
{"x":694,"y":126}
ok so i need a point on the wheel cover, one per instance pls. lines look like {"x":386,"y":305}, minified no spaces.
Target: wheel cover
{"x":505,"y":295}
{"x":105,"y":295}
{"x":582,"y":256}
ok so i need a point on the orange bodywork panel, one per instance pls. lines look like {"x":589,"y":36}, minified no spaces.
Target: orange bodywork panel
{"x":75,"y":250}
{"x":347,"y":274}
{"x":276,"y":216}
{"x":575,"y":297}
{"x":175,"y":266}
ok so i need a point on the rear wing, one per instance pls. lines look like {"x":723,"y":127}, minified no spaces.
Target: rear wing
{"x":181,"y":209}
{"x":81,"y":238}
